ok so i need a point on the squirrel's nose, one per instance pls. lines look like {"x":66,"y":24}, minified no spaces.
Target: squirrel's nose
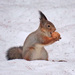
{"x":54,"y":29}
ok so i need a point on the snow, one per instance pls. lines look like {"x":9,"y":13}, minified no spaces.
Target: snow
{"x":18,"y":18}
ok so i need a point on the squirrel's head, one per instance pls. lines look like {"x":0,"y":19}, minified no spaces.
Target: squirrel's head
{"x":46,"y":26}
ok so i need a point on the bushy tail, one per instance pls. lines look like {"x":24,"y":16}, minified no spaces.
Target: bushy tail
{"x":14,"y":53}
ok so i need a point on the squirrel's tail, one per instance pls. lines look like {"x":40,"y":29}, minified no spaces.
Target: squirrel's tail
{"x":14,"y":53}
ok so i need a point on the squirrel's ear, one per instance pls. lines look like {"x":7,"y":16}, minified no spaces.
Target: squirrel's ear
{"x":42,"y":16}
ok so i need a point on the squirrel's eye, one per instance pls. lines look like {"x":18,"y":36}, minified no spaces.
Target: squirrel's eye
{"x":48,"y":25}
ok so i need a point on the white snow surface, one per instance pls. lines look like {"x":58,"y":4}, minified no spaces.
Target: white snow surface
{"x":18,"y":18}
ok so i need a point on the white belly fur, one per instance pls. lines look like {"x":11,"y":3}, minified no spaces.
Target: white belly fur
{"x":37,"y":52}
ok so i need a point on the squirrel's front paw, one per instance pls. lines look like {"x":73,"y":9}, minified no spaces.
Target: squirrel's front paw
{"x":56,"y":36}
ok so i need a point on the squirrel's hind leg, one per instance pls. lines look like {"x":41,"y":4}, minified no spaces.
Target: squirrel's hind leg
{"x":44,"y":54}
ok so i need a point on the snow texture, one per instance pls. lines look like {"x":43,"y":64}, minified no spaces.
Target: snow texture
{"x":18,"y":18}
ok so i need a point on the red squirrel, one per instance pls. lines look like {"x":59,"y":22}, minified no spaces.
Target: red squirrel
{"x":33,"y":48}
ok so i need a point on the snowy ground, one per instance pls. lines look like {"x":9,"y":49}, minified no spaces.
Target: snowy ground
{"x":18,"y":18}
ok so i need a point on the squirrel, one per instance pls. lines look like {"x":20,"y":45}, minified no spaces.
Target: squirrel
{"x":33,"y":48}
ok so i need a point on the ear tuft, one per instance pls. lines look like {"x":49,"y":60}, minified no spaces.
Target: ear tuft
{"x":42,"y":16}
